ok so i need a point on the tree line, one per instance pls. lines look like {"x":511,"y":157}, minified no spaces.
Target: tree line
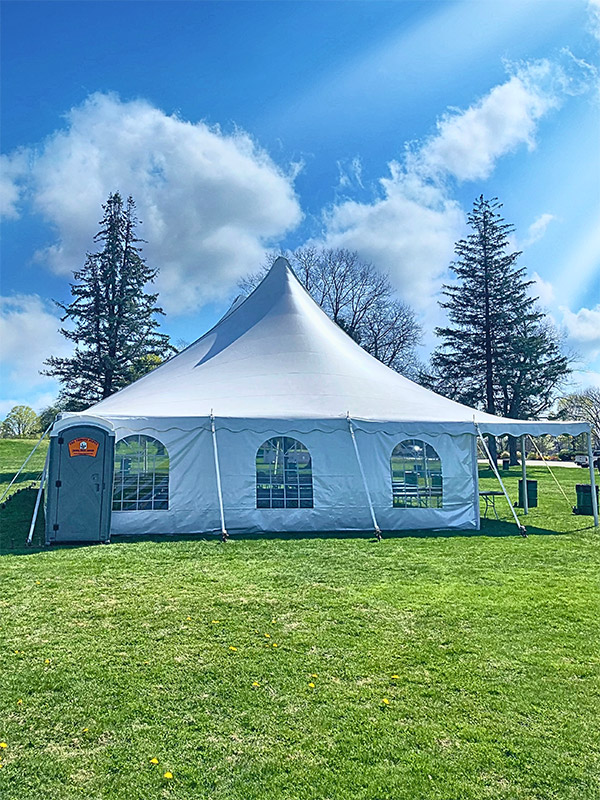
{"x":497,"y":351}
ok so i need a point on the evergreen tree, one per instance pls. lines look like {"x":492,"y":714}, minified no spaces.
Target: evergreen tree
{"x":114,"y":319}
{"x":498,"y":352}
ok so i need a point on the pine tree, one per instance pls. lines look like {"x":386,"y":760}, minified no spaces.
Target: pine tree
{"x":498,"y":352}
{"x":114,"y":319}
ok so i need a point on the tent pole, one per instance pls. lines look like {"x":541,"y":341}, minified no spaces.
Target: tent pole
{"x":37,"y":500}
{"x":592,"y":478}
{"x":376,"y":527}
{"x":26,"y":460}
{"x":522,"y":529}
{"x":524,"y":475}
{"x":224,"y":534}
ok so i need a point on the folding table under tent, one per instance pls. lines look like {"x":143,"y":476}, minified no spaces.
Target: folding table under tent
{"x":274,"y":420}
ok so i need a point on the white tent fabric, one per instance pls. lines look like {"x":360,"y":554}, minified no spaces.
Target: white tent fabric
{"x":276,"y":365}
{"x":277,"y":355}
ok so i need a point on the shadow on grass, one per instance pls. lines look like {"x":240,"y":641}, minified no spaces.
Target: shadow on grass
{"x":492,"y":528}
{"x":29,"y":476}
{"x":16,"y":518}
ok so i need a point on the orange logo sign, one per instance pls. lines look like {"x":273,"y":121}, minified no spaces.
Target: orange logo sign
{"x":83,"y":447}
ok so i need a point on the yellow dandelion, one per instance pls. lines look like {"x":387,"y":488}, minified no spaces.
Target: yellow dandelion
{"x":273,"y":622}
{"x":3,"y":745}
{"x":256,"y":683}
{"x":85,"y":730}
{"x":395,"y":677}
{"x":311,"y":685}
{"x":19,"y":702}
{"x":232,"y":648}
{"x":385,"y":701}
{"x":215,"y":621}
{"x":154,"y":760}
{"x":1,"y":765}
{"x":46,"y":661}
{"x":168,"y":775}
{"x":274,"y":645}
{"x":188,"y":617}
{"x":314,"y":675}
{"x":267,"y":635}
{"x":37,"y":583}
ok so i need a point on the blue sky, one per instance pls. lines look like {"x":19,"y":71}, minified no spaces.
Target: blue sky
{"x":245,"y":127}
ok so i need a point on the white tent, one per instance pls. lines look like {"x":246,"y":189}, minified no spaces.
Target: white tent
{"x":309,"y":433}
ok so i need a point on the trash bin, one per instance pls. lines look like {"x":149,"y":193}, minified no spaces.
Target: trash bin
{"x":505,"y":463}
{"x":584,"y":499}
{"x":532,"y":495}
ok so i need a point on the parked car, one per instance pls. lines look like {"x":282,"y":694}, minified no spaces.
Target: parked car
{"x":581,"y":459}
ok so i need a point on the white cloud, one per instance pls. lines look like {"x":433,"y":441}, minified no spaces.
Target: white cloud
{"x":12,"y":171}
{"x":409,"y":230}
{"x":210,"y":202}
{"x":591,"y":379}
{"x":542,"y":289}
{"x":38,"y":402}
{"x":350,"y":174}
{"x":583,"y":328}
{"x":594,"y":17}
{"x":28,"y":335}
{"x":468,"y":143}
{"x":536,"y":230}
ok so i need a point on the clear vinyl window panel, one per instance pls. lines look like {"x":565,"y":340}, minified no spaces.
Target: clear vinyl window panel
{"x":283,"y":474}
{"x":141,"y":475}
{"x":416,"y":475}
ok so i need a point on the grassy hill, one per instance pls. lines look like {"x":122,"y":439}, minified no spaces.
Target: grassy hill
{"x":427,"y":666}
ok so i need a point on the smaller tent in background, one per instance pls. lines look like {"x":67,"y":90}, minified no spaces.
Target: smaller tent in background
{"x":274,"y":420}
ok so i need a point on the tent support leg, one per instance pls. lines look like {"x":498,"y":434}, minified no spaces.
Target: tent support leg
{"x":37,"y":500}
{"x":522,"y":529}
{"x":224,"y":534}
{"x":26,"y":460}
{"x":592,"y":478}
{"x":376,"y":527}
{"x":524,"y":475}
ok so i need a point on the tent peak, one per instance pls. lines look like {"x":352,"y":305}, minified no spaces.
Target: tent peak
{"x":281,"y":263}
{"x":281,"y":268}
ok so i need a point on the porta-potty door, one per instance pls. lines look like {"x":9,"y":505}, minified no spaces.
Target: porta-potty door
{"x":79,"y":487}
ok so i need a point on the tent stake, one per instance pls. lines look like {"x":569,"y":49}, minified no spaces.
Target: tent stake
{"x":37,"y":499}
{"x":524,"y":476}
{"x":592,"y":479}
{"x":224,"y":534}
{"x":522,"y":529}
{"x":376,"y":527}
{"x":26,"y":460}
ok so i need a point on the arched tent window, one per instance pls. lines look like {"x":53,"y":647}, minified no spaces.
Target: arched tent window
{"x":141,"y":475}
{"x":416,"y":475}
{"x":283,"y":474}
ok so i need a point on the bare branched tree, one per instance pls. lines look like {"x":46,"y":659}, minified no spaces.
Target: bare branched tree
{"x":359,"y":299}
{"x":584,"y":406}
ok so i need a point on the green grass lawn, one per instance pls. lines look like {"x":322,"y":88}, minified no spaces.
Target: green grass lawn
{"x":486,"y":647}
{"x":15,"y":517}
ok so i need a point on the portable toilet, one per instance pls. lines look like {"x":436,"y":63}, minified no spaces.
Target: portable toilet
{"x":79,"y":483}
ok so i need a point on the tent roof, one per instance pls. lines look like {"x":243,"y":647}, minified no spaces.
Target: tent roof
{"x":277,"y":355}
